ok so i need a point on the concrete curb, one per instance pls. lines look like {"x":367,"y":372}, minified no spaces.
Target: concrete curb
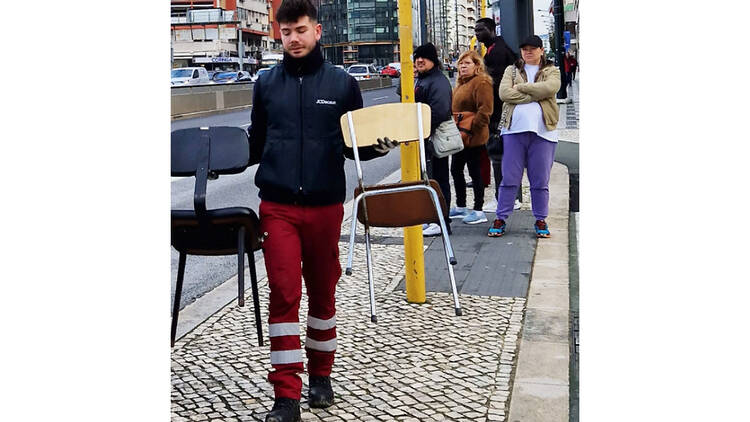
{"x":541,"y":383}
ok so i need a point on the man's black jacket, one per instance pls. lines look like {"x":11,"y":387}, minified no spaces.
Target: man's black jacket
{"x":295,"y":133}
{"x":498,"y":57}
{"x":434,"y":89}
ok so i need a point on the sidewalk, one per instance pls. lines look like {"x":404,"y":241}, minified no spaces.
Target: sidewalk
{"x":569,"y":113}
{"x":506,"y":358}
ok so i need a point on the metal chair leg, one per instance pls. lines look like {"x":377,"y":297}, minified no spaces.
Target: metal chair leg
{"x":370,"y":278}
{"x":352,"y":233}
{"x":450,"y":259}
{"x":241,"y":266}
{"x":443,"y":227}
{"x":256,"y":298}
{"x":451,"y":275}
{"x":177,"y":296}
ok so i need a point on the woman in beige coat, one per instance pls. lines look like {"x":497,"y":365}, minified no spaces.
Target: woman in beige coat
{"x":471,"y":97}
{"x":529,"y":129}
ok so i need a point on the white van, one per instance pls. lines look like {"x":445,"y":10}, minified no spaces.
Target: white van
{"x":362,"y":71}
{"x":189,"y":76}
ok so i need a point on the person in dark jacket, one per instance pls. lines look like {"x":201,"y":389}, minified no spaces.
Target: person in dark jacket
{"x":434,"y":89}
{"x":498,"y":57}
{"x":296,"y":138}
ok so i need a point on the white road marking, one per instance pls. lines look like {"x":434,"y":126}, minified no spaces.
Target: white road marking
{"x":379,"y":98}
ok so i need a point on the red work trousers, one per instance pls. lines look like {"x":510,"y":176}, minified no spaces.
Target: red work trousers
{"x":302,"y":241}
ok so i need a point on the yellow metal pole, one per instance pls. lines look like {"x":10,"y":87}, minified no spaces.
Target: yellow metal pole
{"x":413,"y":241}
{"x":483,"y":9}
{"x":482,"y":49}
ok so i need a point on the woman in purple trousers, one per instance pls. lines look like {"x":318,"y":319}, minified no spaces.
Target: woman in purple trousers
{"x":529,"y":131}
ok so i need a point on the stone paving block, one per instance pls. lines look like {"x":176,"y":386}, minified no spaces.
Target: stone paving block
{"x":539,"y":403}
{"x":550,"y":271}
{"x":545,"y":325}
{"x":556,"y":252}
{"x":549,"y":295}
{"x":545,"y":363}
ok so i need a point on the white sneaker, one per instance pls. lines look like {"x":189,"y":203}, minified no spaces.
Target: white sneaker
{"x":458,"y":212}
{"x":490,"y":206}
{"x":475,"y":217}
{"x":432,"y":230}
{"x":517,"y":205}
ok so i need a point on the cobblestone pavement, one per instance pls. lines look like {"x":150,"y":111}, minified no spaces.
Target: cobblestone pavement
{"x":418,"y":363}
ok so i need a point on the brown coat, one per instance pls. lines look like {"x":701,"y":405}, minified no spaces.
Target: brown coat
{"x":475,"y":95}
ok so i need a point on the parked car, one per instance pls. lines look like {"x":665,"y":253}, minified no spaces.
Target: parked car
{"x":261,"y":71}
{"x":340,"y":67}
{"x":390,"y":71}
{"x":189,"y":76}
{"x":362,"y":71}
{"x":396,"y":65}
{"x":230,"y":77}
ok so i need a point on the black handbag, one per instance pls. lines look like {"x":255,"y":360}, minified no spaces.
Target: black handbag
{"x":495,"y":145}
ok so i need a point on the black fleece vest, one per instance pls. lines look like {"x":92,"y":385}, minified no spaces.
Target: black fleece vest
{"x":303,"y":159}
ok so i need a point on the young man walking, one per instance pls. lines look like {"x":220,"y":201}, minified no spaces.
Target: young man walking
{"x":498,"y":57}
{"x":296,"y":138}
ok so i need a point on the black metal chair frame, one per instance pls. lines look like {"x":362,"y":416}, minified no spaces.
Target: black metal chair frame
{"x":202,"y":153}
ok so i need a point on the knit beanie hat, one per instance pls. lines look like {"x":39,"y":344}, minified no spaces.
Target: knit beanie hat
{"x":427,"y":51}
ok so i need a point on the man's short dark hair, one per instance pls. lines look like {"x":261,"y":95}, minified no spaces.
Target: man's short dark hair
{"x":293,"y":10}
{"x":488,"y":22}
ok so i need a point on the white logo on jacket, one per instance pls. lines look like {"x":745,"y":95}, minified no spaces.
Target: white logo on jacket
{"x":328,"y":102}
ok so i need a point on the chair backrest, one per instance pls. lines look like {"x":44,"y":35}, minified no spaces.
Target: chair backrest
{"x":396,"y":121}
{"x":403,"y":122}
{"x":228,"y":150}
{"x":198,"y":151}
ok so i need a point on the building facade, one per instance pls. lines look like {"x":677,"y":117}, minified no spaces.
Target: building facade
{"x":357,"y":31}
{"x":220,"y":34}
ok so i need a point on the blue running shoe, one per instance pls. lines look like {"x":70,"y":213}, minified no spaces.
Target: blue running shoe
{"x":458,"y":212}
{"x":497,"y":229}
{"x":475,"y":217}
{"x":542,"y":231}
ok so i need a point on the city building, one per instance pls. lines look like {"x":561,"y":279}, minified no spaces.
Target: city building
{"x":359,"y":31}
{"x":570,"y":17}
{"x":220,"y":34}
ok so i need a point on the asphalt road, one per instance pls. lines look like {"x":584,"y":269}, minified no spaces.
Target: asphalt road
{"x":202,"y":274}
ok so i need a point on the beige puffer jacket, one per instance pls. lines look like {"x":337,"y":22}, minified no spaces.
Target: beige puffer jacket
{"x":519,"y":91}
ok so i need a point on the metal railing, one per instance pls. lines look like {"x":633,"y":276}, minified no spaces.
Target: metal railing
{"x":204,"y":16}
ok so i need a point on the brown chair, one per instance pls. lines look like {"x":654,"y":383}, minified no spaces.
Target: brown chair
{"x":399,"y":204}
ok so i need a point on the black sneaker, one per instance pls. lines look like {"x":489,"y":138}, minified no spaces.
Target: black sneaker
{"x":284,"y":410}
{"x":321,"y":392}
